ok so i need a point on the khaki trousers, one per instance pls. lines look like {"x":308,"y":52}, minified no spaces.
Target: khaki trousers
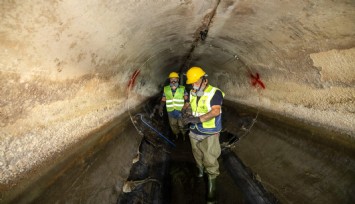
{"x":206,"y":153}
{"x":176,"y":125}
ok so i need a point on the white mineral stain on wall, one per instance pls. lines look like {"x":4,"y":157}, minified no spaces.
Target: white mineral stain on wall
{"x":336,"y":65}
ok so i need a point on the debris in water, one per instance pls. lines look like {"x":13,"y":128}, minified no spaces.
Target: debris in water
{"x":136,"y":159}
{"x":129,"y":186}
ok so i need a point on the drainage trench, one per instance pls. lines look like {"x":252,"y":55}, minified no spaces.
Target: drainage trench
{"x":252,"y":171}
{"x":160,"y":172}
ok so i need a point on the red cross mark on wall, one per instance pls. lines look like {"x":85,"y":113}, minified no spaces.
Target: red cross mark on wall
{"x":133,"y":79}
{"x":255,"y":80}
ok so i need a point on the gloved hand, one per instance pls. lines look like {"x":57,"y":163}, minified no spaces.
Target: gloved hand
{"x":192,"y":120}
{"x":161,"y":110}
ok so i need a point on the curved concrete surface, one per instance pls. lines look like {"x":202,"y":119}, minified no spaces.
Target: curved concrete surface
{"x":66,"y":67}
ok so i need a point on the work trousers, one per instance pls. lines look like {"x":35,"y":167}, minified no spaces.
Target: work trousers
{"x":206,"y":153}
{"x":176,"y":125}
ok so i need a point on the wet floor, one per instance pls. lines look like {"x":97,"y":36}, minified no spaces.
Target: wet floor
{"x":178,"y":184}
{"x":294,"y":169}
{"x":97,"y":179}
{"x":187,"y":188}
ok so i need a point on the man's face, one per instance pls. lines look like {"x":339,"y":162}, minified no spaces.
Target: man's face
{"x":174,"y":80}
{"x":197,"y":84}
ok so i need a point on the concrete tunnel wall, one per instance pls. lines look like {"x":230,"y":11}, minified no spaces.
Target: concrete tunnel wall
{"x":65,"y":65}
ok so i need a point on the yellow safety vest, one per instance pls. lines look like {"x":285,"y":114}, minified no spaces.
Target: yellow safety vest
{"x":213,"y":125}
{"x":175,"y":102}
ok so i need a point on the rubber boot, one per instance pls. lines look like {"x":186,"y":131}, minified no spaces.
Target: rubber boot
{"x":199,"y":172}
{"x":211,"y":191}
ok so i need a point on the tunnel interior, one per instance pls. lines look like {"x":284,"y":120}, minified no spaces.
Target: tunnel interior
{"x":74,"y":76}
{"x":163,"y":172}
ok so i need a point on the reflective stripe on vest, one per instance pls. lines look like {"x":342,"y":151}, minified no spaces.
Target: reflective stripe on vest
{"x":175,"y":102}
{"x":204,"y":106}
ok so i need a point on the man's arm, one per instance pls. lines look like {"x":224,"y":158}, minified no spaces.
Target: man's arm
{"x":216,"y":104}
{"x":186,"y":104}
{"x":216,"y":110}
{"x":161,"y":106}
{"x":163,"y":99}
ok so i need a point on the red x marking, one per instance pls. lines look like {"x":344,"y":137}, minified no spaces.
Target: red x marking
{"x":255,"y":79}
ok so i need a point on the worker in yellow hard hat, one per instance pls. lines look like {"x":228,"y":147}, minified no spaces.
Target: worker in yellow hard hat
{"x":205,"y":126}
{"x":175,"y":97}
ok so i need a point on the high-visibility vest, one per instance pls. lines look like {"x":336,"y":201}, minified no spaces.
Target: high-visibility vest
{"x":203,"y":106}
{"x":175,"y":102}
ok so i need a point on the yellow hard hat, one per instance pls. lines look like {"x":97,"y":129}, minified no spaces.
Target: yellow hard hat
{"x":173,"y":75}
{"x":194,"y":74}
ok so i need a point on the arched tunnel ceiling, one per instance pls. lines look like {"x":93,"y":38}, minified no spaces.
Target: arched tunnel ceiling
{"x":65,"y":65}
